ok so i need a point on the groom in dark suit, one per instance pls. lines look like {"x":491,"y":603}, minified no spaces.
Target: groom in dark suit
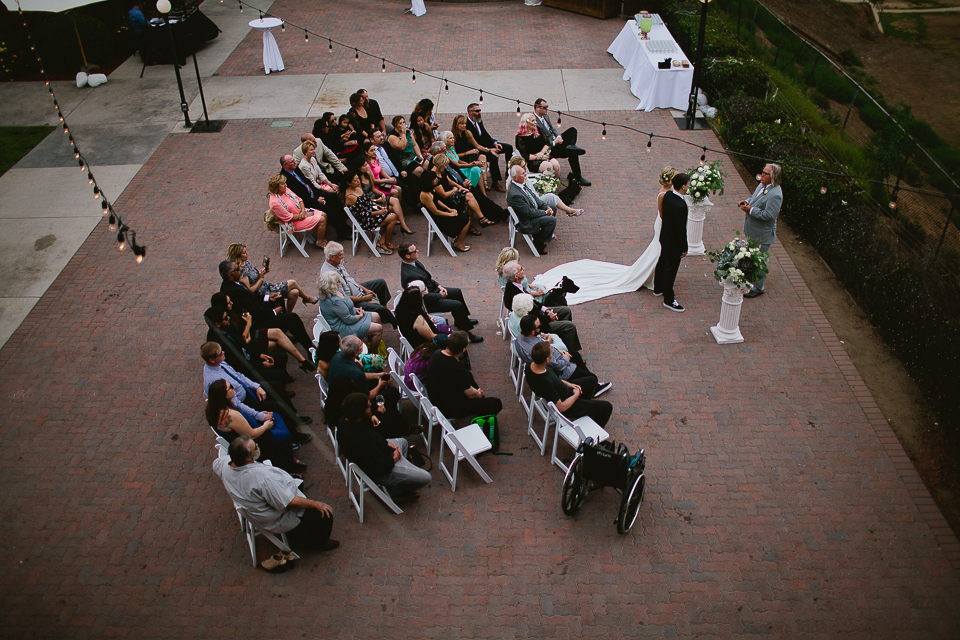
{"x":673,"y":242}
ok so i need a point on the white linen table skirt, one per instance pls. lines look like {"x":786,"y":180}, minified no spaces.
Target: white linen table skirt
{"x":656,"y":88}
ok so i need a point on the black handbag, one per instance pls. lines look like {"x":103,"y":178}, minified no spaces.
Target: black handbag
{"x":665,"y":64}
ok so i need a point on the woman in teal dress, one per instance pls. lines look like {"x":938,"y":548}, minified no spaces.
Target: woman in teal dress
{"x":472,"y":171}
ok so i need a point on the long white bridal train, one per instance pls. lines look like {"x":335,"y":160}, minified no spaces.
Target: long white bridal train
{"x":598,"y":279}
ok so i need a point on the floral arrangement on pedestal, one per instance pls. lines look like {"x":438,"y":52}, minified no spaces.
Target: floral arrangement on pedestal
{"x":546,"y":182}
{"x":740,"y":262}
{"x":706,"y":179}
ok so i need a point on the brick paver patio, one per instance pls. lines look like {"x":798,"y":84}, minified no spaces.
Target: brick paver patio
{"x":777,"y":502}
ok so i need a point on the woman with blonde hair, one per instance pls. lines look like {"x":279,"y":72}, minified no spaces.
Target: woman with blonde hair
{"x":288,"y":206}
{"x":342,"y":316}
{"x":254,"y":279}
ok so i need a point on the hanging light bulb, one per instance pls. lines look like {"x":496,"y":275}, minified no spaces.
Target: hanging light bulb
{"x":383,"y":65}
{"x":650,"y":143}
{"x":518,"y":108}
{"x":329,"y":45}
{"x":96,"y":193}
{"x":703,"y":156}
{"x":603,"y":135}
{"x":823,"y":190}
{"x":261,"y":16}
{"x":89,"y":178}
{"x":83,"y":165}
{"x":356,"y":55}
{"x":446,"y":85}
{"x":283,"y":26}
{"x":140,"y":256}
{"x":481,"y":96}
{"x":122,"y":236}
{"x":104,"y":206}
{"x":76,"y":153}
{"x":65,"y":129}
{"x":558,"y":118}
{"x":306,"y":38}
{"x":414,"y":76}
{"x":113,"y":221}
{"x":241,"y":7}
{"x":60,"y":115}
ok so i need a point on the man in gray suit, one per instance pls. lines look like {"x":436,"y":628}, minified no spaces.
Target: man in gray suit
{"x":561,"y":145}
{"x":536,"y":218}
{"x":762,"y":209}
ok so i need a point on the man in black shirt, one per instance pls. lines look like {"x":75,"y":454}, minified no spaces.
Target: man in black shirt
{"x":385,"y":461}
{"x":568,"y":397}
{"x":452,"y":388}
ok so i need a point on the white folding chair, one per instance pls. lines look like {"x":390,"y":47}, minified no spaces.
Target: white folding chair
{"x":251,"y":530}
{"x":221,"y":441}
{"x":357,"y":479}
{"x":464,"y":444}
{"x":288,"y":233}
{"x":573,"y":432}
{"x":503,"y":318}
{"x":434,"y":230}
{"x":396,"y":373}
{"x":320,"y":325}
{"x":406,"y":350}
{"x":332,"y":434}
{"x":324,"y":388}
{"x":537,"y":406}
{"x":358,"y":233}
{"x":516,"y":367}
{"x":512,"y":231}
{"x":424,"y":407}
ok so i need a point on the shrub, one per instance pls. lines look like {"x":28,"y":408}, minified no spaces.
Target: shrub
{"x":58,"y":46}
{"x":729,"y":76}
{"x":850,"y":58}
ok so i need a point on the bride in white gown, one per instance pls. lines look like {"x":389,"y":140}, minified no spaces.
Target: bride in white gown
{"x":598,"y":279}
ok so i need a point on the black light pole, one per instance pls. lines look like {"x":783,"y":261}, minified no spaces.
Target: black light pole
{"x":163,"y":6}
{"x":692,"y":106}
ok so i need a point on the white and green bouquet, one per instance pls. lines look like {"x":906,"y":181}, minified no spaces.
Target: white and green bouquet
{"x":741,"y":261}
{"x":706,"y":179}
{"x":546,"y":182}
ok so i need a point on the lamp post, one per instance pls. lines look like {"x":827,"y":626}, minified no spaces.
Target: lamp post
{"x":163,"y":6}
{"x":692,"y":105}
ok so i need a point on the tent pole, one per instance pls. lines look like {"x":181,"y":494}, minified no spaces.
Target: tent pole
{"x":80,"y":42}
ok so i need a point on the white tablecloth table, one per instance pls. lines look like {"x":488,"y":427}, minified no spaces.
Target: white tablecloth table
{"x":656,"y":88}
{"x":271,"y":52}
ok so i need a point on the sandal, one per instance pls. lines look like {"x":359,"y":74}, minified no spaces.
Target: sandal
{"x":576,"y":213}
{"x":463,"y":247}
{"x":307,"y":366}
{"x":385,"y":251}
{"x":486,"y":222}
{"x":475,"y":232}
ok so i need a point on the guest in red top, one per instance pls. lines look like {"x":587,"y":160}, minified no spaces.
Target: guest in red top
{"x":289,"y":208}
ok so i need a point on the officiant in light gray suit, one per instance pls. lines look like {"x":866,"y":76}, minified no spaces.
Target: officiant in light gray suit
{"x":762,"y":209}
{"x":535,"y":217}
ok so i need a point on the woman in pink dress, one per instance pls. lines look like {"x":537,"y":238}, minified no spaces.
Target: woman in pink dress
{"x":289,"y":208}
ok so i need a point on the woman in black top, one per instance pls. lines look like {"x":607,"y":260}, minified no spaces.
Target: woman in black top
{"x":452,"y":222}
{"x":413,"y":320}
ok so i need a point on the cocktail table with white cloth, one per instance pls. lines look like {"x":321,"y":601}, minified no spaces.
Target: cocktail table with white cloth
{"x":271,"y":52}
{"x":656,"y":88}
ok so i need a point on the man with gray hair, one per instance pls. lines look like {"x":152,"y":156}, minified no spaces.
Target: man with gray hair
{"x":558,"y":320}
{"x":535,"y":217}
{"x":369,"y":296}
{"x":762,"y":209}
{"x":327,"y":159}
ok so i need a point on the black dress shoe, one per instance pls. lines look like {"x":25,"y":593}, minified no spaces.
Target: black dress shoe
{"x":305,"y":420}
{"x":474,"y":339}
{"x":584,"y":181}
{"x":541,"y":248}
{"x":290,"y":394}
{"x":474,"y":322}
{"x":575,"y":149}
{"x":753,"y":293}
{"x":301,"y":438}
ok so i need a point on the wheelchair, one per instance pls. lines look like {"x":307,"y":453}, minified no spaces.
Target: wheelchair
{"x":606,"y":464}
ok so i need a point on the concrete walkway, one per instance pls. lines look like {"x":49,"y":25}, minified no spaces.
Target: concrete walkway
{"x":779,"y":502}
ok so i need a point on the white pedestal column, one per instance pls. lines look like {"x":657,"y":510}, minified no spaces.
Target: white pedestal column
{"x":696,"y":213}
{"x":727,"y":330}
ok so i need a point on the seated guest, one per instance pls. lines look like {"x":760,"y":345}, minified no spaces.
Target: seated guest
{"x":345,"y":365}
{"x":365,"y":163}
{"x":371,"y":295}
{"x":342,"y":316}
{"x":452,"y":388}
{"x":344,"y":137}
{"x":533,"y":146}
{"x":509,"y":254}
{"x":571,"y":399}
{"x":267,"y":311}
{"x":383,"y":181}
{"x":272,"y":500}
{"x":472,"y":170}
{"x":328,"y":344}
{"x":438,"y":299}
{"x":360,"y":118}
{"x":485,"y":143}
{"x":561,"y":362}
{"x":488,"y":212}
{"x":401,"y":140}
{"x":422,"y":132}
{"x":386,"y":162}
{"x":329,"y":163}
{"x":368,"y":213}
{"x":373,"y":111}
{"x":323,"y":128}
{"x":453,"y":222}
{"x":384,"y":460}
{"x":270,"y":434}
{"x":561,"y":146}
{"x":248,"y":348}
{"x":254,"y":279}
{"x":463,"y":141}
{"x":288,"y":206}
{"x":418,"y":363}
{"x":314,"y":198}
{"x":558,"y":320}
{"x":414,"y":321}
{"x":552,"y":199}
{"x":534,"y":217}
{"x":424,"y":108}
{"x":523,"y":304}
{"x":256,"y":402}
{"x":312,"y":171}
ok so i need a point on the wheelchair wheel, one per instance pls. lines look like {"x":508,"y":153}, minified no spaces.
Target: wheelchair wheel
{"x":574,"y":487}
{"x":630,"y":505}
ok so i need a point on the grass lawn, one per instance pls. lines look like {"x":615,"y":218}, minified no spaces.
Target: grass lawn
{"x":16,"y":142}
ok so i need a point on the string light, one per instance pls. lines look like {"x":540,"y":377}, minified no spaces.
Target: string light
{"x":603,"y":135}
{"x":96,"y":193}
{"x":261,"y":16}
{"x":283,"y":26}
{"x":329,"y":45}
{"x":446,"y":86}
{"x":518,"y":108}
{"x":383,"y":65}
{"x":138,"y":251}
{"x":558,"y":118}
{"x":414,"y":76}
{"x":76,"y":153}
{"x":703,"y":156}
{"x":356,"y":55}
{"x":481,"y":96}
{"x":113,"y":220}
{"x":65,"y":129}
{"x":89,"y":178}
{"x":893,"y":198}
{"x":83,"y":165}
{"x":306,"y":36}
{"x":60,"y":114}
{"x":823,"y":190}
{"x":650,"y":143}
{"x":241,"y":7}
{"x":104,"y":206}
